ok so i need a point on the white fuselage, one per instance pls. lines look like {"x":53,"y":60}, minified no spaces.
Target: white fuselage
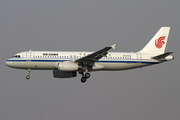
{"x":67,"y":64}
{"x":45,"y":60}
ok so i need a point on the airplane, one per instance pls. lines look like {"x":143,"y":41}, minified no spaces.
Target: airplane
{"x":66,"y":64}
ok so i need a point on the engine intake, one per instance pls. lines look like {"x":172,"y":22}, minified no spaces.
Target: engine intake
{"x":64,"y":74}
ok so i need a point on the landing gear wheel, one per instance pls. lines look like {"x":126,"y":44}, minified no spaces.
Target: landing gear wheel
{"x":83,"y":79}
{"x":27,"y":77}
{"x":87,"y":75}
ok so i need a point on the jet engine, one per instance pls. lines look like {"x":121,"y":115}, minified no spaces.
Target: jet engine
{"x":64,"y":74}
{"x":66,"y":66}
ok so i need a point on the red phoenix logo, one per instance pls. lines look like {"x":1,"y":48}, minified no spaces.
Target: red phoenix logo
{"x":159,"y":43}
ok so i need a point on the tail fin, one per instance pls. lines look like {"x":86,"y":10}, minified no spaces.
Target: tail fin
{"x":158,"y":43}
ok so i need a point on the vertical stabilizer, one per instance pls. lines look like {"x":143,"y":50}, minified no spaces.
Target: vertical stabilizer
{"x":158,"y":43}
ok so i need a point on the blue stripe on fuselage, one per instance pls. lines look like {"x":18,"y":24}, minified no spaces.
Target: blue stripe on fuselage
{"x":104,"y":61}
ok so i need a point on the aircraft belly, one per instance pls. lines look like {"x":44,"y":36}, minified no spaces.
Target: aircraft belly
{"x":39,"y":65}
{"x":18,"y":65}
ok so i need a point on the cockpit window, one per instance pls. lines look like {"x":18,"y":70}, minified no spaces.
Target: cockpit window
{"x":16,"y":56}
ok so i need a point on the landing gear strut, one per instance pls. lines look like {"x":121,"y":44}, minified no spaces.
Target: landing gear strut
{"x":84,"y":77}
{"x":28,"y":76}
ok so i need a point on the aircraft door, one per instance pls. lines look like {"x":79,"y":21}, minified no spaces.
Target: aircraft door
{"x":71,"y":57}
{"x":139,"y":57}
{"x":28,"y":56}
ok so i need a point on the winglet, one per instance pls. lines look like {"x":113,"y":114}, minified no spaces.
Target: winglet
{"x":113,"y":46}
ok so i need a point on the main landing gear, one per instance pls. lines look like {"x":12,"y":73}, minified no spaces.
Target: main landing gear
{"x":84,"y":77}
{"x":28,"y":76}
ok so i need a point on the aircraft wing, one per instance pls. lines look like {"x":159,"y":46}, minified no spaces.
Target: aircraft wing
{"x":96,"y":55}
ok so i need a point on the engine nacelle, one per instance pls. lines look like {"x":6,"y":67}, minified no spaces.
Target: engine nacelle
{"x":66,"y":66}
{"x":64,"y":74}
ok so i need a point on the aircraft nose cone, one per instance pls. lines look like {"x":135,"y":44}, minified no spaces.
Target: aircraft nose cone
{"x":8,"y":63}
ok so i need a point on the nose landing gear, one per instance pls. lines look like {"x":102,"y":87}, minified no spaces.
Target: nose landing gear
{"x":28,"y":76}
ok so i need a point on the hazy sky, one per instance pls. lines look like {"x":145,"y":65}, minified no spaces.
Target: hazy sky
{"x":149,"y":93}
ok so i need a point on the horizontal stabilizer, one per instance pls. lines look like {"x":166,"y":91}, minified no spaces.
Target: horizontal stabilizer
{"x":162,"y":56}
